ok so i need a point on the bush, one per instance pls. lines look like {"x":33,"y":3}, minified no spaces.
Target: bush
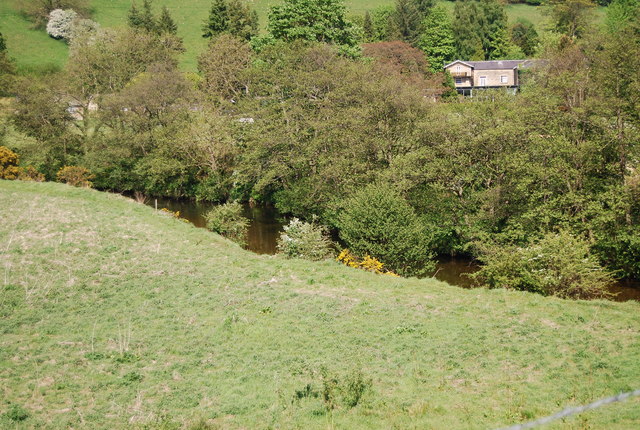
{"x":76,"y":176}
{"x":60,"y":23}
{"x":227,"y":220}
{"x":8,"y":164}
{"x":29,"y":173}
{"x":557,"y":265}
{"x":304,"y":240}
{"x":17,"y":413}
{"x":378,"y":222}
{"x":367,"y":263}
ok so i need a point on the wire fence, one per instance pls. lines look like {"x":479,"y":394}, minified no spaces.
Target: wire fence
{"x":573,"y":411}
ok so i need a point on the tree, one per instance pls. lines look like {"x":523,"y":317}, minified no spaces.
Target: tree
{"x":147,"y":20}
{"x":524,"y":35}
{"x":383,"y":23}
{"x":621,"y":14}
{"x":166,"y":24}
{"x":233,"y":17}
{"x":407,"y":20}
{"x":377,"y":221}
{"x":437,"y":41}
{"x":222,"y":65}
{"x":133,"y":16}
{"x":3,"y":44}
{"x":571,"y":17}
{"x":367,"y":28}
{"x":479,"y":29}
{"x":243,"y":22}
{"x":218,"y":21}
{"x":398,"y":56}
{"x":312,"y":20}
{"x":466,"y":30}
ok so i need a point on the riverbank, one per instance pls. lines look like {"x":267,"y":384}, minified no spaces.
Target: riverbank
{"x":115,"y":315}
{"x":266,"y":224}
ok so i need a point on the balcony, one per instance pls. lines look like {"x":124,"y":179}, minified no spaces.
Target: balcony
{"x":461,"y":74}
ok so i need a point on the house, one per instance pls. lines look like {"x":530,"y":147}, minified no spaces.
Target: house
{"x":477,"y":75}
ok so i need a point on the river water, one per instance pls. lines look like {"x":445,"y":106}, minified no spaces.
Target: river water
{"x":266,"y":224}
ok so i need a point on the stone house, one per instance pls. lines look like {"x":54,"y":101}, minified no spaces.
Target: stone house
{"x":474,"y":75}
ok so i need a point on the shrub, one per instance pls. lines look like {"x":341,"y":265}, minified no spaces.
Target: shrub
{"x":76,"y":176}
{"x":559,"y":264}
{"x":29,"y":173}
{"x":227,"y":220}
{"x":378,"y":222}
{"x":60,"y":23}
{"x":8,"y":164}
{"x":304,"y":240}
{"x":17,"y":413}
{"x":367,"y":263}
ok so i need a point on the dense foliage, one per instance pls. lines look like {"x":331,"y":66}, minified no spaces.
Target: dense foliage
{"x":232,"y":17}
{"x":228,"y":221}
{"x":558,"y":264}
{"x":313,"y":20}
{"x":277,"y":126}
{"x":378,"y":222}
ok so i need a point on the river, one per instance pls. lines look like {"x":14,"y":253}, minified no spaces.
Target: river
{"x":266,"y":224}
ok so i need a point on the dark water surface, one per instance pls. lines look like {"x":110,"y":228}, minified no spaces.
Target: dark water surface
{"x":266,"y":224}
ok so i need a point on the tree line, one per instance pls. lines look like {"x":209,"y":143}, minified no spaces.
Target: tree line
{"x":273,"y":125}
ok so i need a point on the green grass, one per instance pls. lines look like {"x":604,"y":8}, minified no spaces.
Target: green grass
{"x":33,"y":49}
{"x":114,"y":315}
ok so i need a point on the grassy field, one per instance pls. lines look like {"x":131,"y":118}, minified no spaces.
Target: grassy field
{"x":113,"y":315}
{"x":33,"y":49}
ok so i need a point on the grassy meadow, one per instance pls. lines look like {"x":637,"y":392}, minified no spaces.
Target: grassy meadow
{"x":34,"y":50}
{"x":114,"y":315}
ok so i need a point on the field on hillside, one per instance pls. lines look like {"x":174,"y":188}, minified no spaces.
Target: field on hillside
{"x":34,"y":50}
{"x":114,"y":315}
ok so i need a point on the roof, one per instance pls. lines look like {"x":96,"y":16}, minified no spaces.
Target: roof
{"x":495,"y":64}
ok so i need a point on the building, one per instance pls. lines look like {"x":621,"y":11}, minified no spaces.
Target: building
{"x":470,"y":76}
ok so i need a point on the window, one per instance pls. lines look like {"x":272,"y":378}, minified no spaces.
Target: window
{"x":457,"y":68}
{"x":504,"y":79}
{"x":458,"y":81}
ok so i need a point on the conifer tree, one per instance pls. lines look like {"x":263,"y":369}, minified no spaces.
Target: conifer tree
{"x":218,"y":21}
{"x":437,"y":39}
{"x":367,"y":28}
{"x":525,"y":36}
{"x":147,"y":20}
{"x":166,"y":24}
{"x":243,"y":22}
{"x":407,"y":20}
{"x":133,"y":18}
{"x":479,"y":29}
{"x":466,"y":30}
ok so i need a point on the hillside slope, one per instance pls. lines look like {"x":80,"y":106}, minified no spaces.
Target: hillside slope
{"x":33,"y":49}
{"x":114,"y":315}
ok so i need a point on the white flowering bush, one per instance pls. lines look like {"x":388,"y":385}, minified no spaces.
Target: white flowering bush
{"x":304,"y":240}
{"x":60,"y":23}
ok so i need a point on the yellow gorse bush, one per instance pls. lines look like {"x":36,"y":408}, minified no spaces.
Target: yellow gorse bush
{"x":368,"y":263}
